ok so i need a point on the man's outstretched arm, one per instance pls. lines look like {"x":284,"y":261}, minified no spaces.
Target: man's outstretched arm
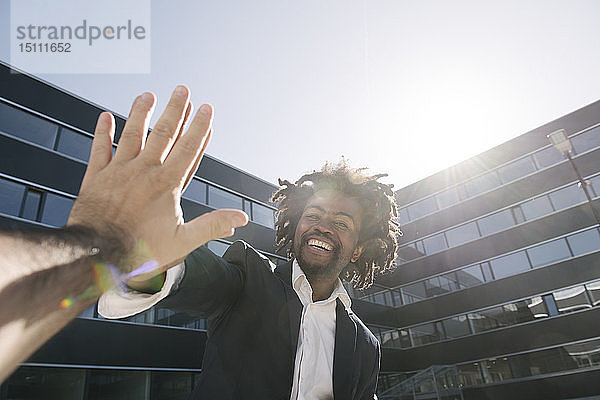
{"x":125,"y":227}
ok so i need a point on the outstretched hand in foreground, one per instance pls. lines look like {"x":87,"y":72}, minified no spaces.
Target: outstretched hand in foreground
{"x":127,"y":222}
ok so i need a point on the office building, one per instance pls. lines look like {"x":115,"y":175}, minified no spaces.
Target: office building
{"x":497,"y":290}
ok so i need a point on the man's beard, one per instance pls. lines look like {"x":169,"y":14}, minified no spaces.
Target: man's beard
{"x":327,"y":270}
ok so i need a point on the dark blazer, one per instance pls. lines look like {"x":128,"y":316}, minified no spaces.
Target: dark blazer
{"x":253,"y":323}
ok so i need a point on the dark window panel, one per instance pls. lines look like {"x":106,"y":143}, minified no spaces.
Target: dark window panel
{"x":168,"y":385}
{"x":595,"y":181}
{"x":422,"y":207}
{"x":547,"y":253}
{"x":496,"y":370}
{"x":27,"y":126}
{"x":409,"y":252}
{"x":403,"y":216}
{"x":196,"y":191}
{"x":547,"y":157}
{"x":573,"y":299}
{"x":427,"y":333}
{"x":510,"y":264}
{"x":74,"y":144}
{"x":56,"y":210}
{"x":117,"y":385}
{"x":537,"y":307}
{"x":456,"y":326}
{"x":470,"y":276}
{"x":413,"y":292}
{"x":33,"y":383}
{"x":168,"y":317}
{"x":31,"y":206}
{"x":487,"y":271}
{"x":567,"y":197}
{"x":516,"y":169}
{"x":470,"y":374}
{"x":447,"y":198}
{"x":536,"y":208}
{"x":434,"y":244}
{"x":11,"y":197}
{"x":586,"y":141}
{"x":218,"y":198}
{"x":495,"y":222}
{"x":397,"y":297}
{"x":482,"y":183}
{"x":263,"y":215}
{"x":593,"y":289}
{"x":582,"y":355}
{"x":462,"y":234}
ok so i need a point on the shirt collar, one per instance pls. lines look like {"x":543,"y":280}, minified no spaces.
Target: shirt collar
{"x":304,"y":290}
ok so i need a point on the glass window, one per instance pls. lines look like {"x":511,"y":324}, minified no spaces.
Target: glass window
{"x":196,"y":191}
{"x":506,"y":315}
{"x":547,"y":157}
{"x":413,"y":292}
{"x":117,"y":385}
{"x":586,"y":141}
{"x":537,"y":307}
{"x":397,"y":297}
{"x":470,"y":374}
{"x":583,"y":355}
{"x":409,"y":252}
{"x":516,"y":169}
{"x":595,"y":181}
{"x":487,"y":271}
{"x":456,"y":326}
{"x":462,"y":234}
{"x":435,"y":243}
{"x":403,"y":216}
{"x":422,"y":207}
{"x":470,"y":276}
{"x":32,"y":383}
{"x":218,"y":248}
{"x":11,"y":196}
{"x":31,"y":206}
{"x":440,"y":285}
{"x":536,"y":208}
{"x":518,"y":214}
{"x":593,"y":289}
{"x":550,"y":252}
{"x":218,"y":198}
{"x":496,"y":370}
{"x":27,"y":126}
{"x":482,"y":183}
{"x":584,"y":242}
{"x":510,"y":264}
{"x":168,"y":317}
{"x":169,"y":385}
{"x":405,"y":338}
{"x":447,"y":198}
{"x":56,"y":210}
{"x":263,"y":215}
{"x":427,"y":333}
{"x":495,"y":222}
{"x":74,"y":144}
{"x":572,"y":299}
{"x":567,"y":197}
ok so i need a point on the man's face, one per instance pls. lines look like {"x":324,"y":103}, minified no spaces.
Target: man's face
{"x":327,"y":234}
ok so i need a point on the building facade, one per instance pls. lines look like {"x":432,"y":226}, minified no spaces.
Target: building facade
{"x":497,"y":290}
{"x":45,"y":140}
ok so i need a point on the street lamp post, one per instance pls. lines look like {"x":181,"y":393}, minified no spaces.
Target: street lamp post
{"x":561,"y":142}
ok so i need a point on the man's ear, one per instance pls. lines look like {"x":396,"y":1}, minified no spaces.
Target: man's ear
{"x":357,"y":252}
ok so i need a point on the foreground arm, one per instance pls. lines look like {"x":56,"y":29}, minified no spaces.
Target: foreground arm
{"x":125,"y":227}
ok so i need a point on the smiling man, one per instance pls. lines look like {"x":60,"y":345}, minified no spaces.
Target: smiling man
{"x":287,"y":332}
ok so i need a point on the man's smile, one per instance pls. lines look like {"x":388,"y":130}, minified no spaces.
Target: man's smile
{"x":319,"y":244}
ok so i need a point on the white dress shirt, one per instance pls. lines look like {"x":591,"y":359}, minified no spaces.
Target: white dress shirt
{"x":313,"y":370}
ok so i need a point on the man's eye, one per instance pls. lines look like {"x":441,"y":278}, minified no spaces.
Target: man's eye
{"x":312,"y":217}
{"x":341,"y":225}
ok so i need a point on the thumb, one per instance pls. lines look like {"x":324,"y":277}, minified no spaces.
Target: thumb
{"x":210,"y":226}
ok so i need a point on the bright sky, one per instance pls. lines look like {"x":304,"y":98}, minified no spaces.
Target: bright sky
{"x":404,"y":87}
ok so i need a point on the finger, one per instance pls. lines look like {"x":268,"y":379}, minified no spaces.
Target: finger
{"x":135,"y":130}
{"x":190,"y":147}
{"x":101,"y":152}
{"x":213,"y":225}
{"x":168,"y":126}
{"x":196,"y":163}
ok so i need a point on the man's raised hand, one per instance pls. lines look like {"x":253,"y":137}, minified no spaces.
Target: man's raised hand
{"x":138,"y":192}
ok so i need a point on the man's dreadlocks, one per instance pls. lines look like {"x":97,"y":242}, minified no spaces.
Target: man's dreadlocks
{"x":378,"y":231}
